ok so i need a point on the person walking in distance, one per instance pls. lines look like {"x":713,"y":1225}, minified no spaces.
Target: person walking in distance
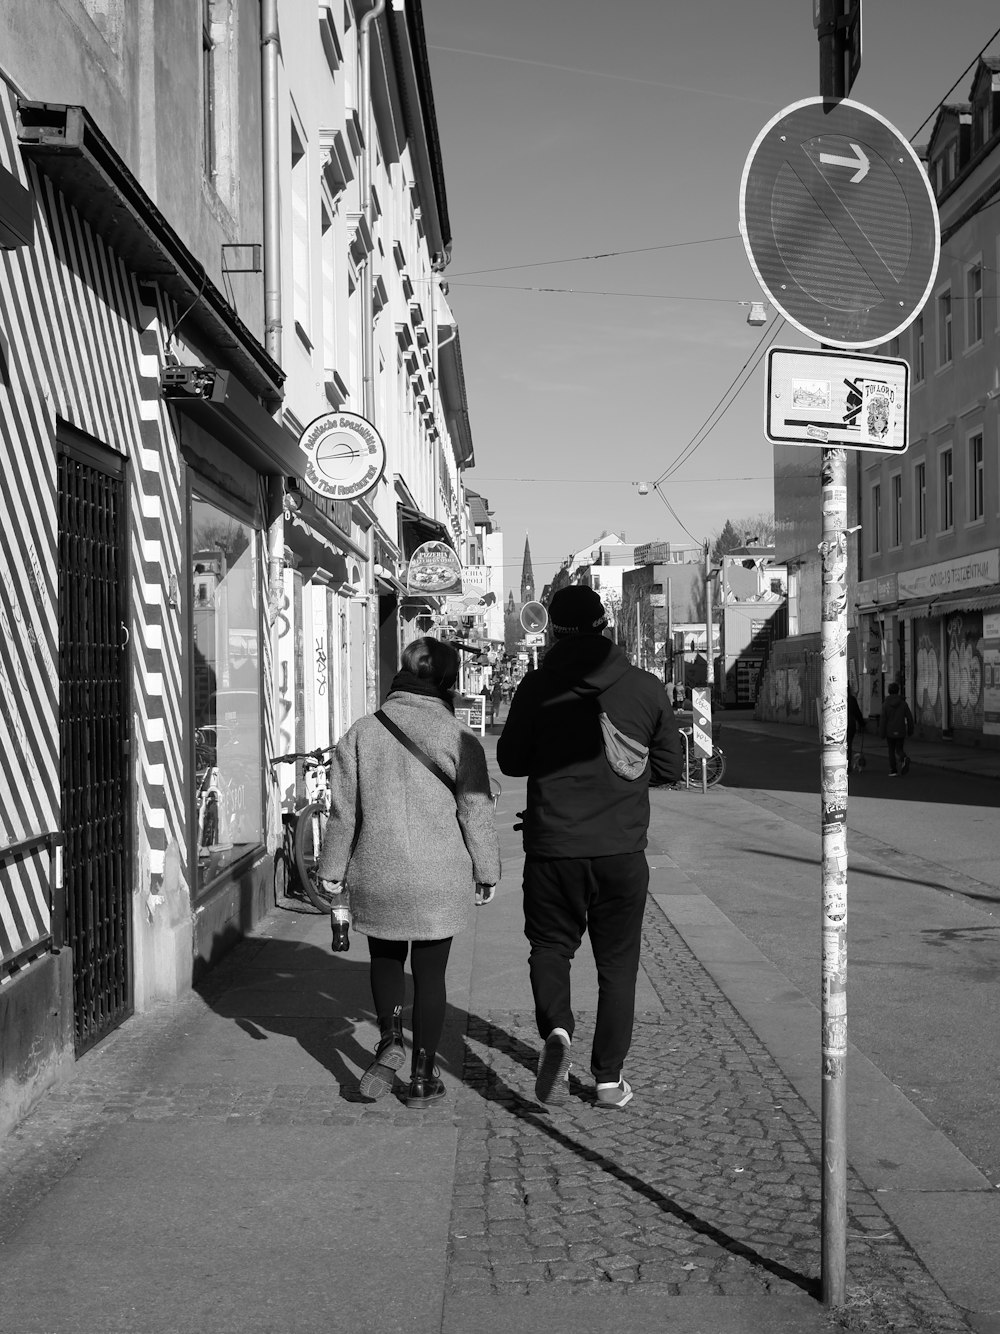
{"x":856,"y":722}
{"x":590,"y":732}
{"x":412,"y":837}
{"x":896,"y":725}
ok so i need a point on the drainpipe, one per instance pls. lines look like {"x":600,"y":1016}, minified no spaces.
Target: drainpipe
{"x":367,"y":274}
{"x":272,"y":274}
{"x":272,"y":195}
{"x":368,"y":321}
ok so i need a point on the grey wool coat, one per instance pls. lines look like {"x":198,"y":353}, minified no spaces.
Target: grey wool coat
{"x":409,"y":852}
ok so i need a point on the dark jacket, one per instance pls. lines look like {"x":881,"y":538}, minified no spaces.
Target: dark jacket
{"x":577,"y":805}
{"x":897,"y":720}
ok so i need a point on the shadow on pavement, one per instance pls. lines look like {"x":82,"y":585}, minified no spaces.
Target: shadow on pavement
{"x":491,"y":1086}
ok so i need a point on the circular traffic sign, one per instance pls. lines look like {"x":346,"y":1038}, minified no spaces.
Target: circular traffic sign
{"x":839,"y":222}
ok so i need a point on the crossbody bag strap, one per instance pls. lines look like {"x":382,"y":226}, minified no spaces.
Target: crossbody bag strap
{"x":415,"y":750}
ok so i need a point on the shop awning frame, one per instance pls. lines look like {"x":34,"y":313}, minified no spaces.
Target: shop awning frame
{"x":217,"y":400}
{"x":417,"y":528}
{"x":319,"y":557}
{"x":980,"y":599}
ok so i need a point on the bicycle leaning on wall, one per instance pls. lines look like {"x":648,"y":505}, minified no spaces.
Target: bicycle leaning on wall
{"x":304,"y":828}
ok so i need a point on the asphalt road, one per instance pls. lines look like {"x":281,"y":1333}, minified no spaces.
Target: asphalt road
{"x":923,"y":910}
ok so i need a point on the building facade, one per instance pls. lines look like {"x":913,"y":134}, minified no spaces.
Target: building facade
{"x":218,"y":223}
{"x":929,"y":596}
{"x":924,"y":565}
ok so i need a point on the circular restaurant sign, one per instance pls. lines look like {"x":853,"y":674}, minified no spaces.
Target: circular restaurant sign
{"x":839,"y":222}
{"x":345,"y":455}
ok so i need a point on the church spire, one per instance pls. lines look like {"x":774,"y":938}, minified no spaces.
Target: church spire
{"x":527,"y":576}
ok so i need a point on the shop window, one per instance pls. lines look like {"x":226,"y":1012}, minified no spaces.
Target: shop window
{"x":228,"y":797}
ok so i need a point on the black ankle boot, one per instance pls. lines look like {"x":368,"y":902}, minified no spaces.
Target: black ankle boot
{"x":389,"y":1055}
{"x":425,"y":1086}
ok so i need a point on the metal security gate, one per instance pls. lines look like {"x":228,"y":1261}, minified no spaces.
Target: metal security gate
{"x":93,"y":731}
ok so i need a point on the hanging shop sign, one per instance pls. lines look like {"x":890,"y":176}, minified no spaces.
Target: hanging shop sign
{"x":434,"y":568}
{"x":345,"y":455}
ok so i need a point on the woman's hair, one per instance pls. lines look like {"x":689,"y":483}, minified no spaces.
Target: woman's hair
{"x":431,"y":660}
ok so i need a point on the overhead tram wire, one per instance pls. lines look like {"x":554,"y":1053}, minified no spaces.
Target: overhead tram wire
{"x":735,"y":387}
{"x":948,"y":94}
{"x":726,"y":401}
{"x":604,"y":254}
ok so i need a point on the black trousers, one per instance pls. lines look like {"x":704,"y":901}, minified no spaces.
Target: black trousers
{"x":896,"y":746}
{"x":428,"y":962}
{"x":606,"y":897}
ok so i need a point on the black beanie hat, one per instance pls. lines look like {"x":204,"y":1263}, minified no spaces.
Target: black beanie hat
{"x":577,"y":610}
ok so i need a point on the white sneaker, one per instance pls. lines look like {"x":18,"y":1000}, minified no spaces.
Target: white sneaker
{"x":614,"y":1095}
{"x":554,"y":1062}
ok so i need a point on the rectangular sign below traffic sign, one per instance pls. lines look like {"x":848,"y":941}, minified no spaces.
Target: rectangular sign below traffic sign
{"x":837,"y":399}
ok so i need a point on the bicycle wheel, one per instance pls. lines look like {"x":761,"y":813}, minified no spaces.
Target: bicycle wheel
{"x":715,"y":767}
{"x":310,"y":825}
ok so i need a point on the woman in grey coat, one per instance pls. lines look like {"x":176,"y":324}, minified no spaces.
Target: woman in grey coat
{"x":415,"y":849}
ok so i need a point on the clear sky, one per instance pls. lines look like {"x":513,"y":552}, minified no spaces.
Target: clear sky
{"x":577,"y":127}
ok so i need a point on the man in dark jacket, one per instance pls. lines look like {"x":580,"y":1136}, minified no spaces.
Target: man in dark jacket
{"x":895,"y":726}
{"x":585,"y":829}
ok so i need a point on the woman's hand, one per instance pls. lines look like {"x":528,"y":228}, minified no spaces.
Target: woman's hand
{"x":484,"y":893}
{"x":331,"y":886}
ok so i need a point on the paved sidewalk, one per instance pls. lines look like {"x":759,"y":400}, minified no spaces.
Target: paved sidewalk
{"x":211,"y":1167}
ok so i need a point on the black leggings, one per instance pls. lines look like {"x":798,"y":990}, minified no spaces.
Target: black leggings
{"x":428,"y":961}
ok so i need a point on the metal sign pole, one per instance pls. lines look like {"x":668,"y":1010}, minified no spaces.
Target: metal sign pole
{"x":833,"y":789}
{"x":833,"y":822}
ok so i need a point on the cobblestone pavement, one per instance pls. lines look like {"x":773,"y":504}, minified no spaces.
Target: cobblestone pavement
{"x":709,"y":1180}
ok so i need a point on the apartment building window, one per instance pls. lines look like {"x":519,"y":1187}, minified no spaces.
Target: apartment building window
{"x":208,"y":90}
{"x":919,"y":356}
{"x":974,"y":303}
{"x":946,"y":491}
{"x":977,"y":497}
{"x":920,"y":500}
{"x":876,"y":525}
{"x":945,"y":345}
{"x":328,"y":241}
{"x":896,"y":487}
{"x":893,"y":347}
{"x":982,"y":129}
{"x":300,"y":238}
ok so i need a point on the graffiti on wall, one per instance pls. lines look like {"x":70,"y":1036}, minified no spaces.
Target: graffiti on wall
{"x":965,"y":670}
